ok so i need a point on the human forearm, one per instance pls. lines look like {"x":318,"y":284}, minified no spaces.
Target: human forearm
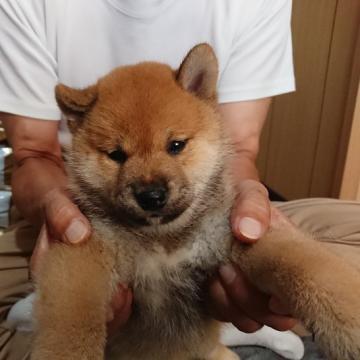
{"x":37,"y":162}
{"x":244,"y":167}
{"x":39,"y":179}
{"x":251,"y":211}
{"x":244,"y":122}
{"x":33,"y":179}
{"x":249,"y":188}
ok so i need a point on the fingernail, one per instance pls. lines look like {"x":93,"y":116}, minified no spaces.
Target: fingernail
{"x":76,"y":231}
{"x":227,"y":273}
{"x":250,"y":228}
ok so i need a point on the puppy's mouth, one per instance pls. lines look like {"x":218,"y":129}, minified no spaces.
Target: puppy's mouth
{"x":136,"y":218}
{"x":160,"y":218}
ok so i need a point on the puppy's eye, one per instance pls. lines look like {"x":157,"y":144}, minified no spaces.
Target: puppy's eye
{"x":118,"y":155}
{"x":176,"y":147}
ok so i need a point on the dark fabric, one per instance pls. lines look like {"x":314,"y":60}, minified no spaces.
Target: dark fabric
{"x":257,"y":353}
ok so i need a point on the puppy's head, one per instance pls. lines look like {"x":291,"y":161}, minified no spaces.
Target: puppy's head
{"x":147,"y":141}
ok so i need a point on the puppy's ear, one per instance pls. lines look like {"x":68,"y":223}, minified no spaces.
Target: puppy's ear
{"x":75,"y":103}
{"x":198,"y":72}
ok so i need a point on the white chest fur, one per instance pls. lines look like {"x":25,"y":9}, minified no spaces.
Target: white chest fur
{"x":160,"y":273}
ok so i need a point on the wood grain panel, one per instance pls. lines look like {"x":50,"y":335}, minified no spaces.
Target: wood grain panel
{"x":336,"y":93}
{"x":350,"y":189}
{"x":341,"y":178}
{"x":296,"y":117}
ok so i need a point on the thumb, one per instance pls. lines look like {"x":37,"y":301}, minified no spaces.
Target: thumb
{"x":250,"y":215}
{"x":64,"y":219}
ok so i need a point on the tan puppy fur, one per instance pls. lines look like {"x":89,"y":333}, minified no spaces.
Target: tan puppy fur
{"x":147,"y":166}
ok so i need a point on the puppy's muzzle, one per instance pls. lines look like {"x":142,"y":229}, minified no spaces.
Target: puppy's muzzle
{"x":151,"y":197}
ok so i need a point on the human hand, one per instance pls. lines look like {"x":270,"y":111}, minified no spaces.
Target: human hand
{"x":233,"y":298}
{"x":65,"y":223}
{"x":250,"y":216}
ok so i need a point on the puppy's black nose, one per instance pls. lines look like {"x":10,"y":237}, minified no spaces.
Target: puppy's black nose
{"x":151,"y":197}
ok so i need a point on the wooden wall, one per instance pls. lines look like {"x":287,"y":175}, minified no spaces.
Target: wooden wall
{"x":350,"y":184}
{"x":304,"y":142}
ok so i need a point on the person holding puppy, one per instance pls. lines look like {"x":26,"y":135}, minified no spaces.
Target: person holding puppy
{"x":44,"y":42}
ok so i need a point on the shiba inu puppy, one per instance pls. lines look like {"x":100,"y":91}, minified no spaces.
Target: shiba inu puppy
{"x":147,"y":166}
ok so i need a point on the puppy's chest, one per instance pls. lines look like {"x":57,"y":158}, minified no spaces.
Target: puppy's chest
{"x":176,"y":296}
{"x":168,"y":307}
{"x":171,"y":285}
{"x":161,"y":278}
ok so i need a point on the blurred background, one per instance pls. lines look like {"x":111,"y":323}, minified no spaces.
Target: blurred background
{"x":311,"y":143}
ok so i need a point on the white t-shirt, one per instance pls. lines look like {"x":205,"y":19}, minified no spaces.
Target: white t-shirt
{"x":43,"y":42}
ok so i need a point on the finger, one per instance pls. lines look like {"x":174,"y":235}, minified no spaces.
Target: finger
{"x":122,"y":315}
{"x":117,"y":302}
{"x":222,"y":309}
{"x":250,"y":215}
{"x":121,"y":310}
{"x":279,"y":307}
{"x":41,"y":247}
{"x":64,"y":218}
{"x":253,"y":302}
